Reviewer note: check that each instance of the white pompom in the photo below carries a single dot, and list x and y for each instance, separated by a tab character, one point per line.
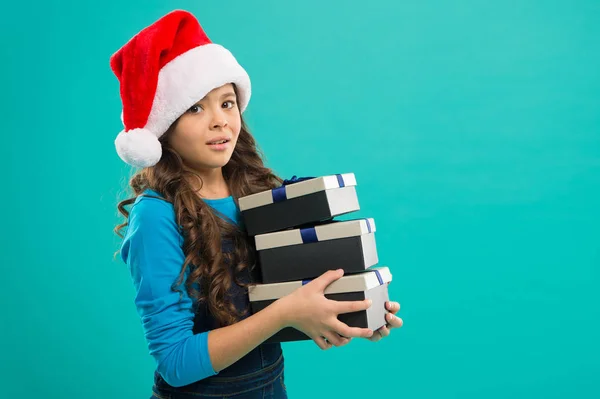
138	147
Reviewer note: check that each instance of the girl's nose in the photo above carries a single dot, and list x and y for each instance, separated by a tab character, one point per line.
219	121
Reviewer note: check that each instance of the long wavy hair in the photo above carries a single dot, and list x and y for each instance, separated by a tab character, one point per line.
210	269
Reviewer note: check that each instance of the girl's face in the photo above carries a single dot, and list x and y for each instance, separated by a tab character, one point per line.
206	134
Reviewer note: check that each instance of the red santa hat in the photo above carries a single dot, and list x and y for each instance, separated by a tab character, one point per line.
163	71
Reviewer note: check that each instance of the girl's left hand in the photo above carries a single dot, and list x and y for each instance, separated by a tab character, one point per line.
393	321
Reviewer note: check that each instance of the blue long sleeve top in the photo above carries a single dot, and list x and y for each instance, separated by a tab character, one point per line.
152	250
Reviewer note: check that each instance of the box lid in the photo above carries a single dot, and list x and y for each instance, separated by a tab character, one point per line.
296	189
329	231
358	282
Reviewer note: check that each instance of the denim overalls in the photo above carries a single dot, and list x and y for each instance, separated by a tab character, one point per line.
258	375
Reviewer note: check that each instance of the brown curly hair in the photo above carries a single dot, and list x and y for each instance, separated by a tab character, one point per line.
202	229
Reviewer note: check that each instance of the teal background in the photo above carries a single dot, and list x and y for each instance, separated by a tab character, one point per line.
473	128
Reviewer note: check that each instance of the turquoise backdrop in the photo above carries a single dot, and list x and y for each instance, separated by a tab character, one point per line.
473	128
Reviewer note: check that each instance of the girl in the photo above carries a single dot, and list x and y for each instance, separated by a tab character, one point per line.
183	241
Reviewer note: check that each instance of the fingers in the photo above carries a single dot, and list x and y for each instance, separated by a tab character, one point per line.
352	306
393	307
351	332
326	278
321	343
384	332
393	321
380	334
329	339
335	339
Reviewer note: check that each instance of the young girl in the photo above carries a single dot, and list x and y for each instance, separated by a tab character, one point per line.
183	240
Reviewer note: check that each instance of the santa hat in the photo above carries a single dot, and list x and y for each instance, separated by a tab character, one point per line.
163	71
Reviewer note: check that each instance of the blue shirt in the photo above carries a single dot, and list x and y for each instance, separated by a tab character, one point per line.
152	249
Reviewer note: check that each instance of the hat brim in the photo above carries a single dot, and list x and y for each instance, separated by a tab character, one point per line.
189	77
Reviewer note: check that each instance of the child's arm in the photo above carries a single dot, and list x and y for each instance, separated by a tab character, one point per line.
227	345
152	250
306	309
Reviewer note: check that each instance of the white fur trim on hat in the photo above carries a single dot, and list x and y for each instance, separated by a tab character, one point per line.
138	147
189	77
183	82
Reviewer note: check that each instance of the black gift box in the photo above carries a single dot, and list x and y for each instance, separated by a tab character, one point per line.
299	254
371	284
299	203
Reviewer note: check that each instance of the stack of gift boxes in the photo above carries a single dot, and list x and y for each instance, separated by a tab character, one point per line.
297	240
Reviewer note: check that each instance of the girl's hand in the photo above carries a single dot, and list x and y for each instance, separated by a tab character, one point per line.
393	321
309	311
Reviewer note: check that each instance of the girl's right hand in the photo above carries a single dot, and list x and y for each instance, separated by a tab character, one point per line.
308	310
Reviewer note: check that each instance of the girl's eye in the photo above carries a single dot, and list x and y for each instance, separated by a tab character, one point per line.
228	104
195	109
